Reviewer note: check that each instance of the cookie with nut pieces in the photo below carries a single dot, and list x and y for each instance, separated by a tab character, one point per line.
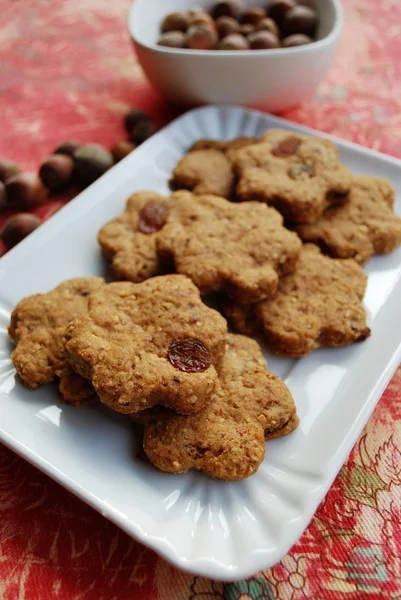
320	304
149	343
129	241
241	249
299	175
37	328
225	440
365	225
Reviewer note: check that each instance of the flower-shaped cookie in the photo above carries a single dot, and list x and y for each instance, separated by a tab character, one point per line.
129	242
37	328
206	171
320	304
226	439
149	343
363	226
299	175
229	148
241	249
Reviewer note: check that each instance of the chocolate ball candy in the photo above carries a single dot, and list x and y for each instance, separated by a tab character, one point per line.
253	15
2	195
263	40
300	19
176	21
226	8
277	10
122	149
246	29
201	37
172	39
8	168
91	161
25	190
67	148
142	131
268	24
298	39
17	228
133	117
200	17
56	172
235	41
226	26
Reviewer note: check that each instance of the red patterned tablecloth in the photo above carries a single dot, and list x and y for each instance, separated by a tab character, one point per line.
67	71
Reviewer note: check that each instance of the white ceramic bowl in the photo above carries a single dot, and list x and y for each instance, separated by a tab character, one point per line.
275	79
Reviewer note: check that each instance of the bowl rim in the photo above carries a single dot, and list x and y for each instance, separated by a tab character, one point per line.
331	37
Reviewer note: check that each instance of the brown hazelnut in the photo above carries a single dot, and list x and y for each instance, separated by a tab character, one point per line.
172	39
226	26
122	149
67	148
133	117
17	228
91	161
201	17
263	40
278	8
201	37
8	168
298	39
142	131
253	16
300	19
2	195
246	29
235	41
56	172
268	24
176	21
25	190
226	8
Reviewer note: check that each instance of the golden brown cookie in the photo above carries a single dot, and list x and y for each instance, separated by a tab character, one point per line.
300	175
37	328
320	304
129	242
149	343
204	172
225	440
364	226
240	249
229	148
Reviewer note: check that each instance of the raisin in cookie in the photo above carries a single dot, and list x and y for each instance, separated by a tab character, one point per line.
320	304
241	249
301	176
364	226
149	343
225	440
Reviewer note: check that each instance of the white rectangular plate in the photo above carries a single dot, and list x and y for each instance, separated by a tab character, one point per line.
224	531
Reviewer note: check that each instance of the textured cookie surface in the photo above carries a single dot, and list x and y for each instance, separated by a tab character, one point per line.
225	440
149	343
205	171
298	174
317	305
363	226
37	328
129	242
237	248
229	148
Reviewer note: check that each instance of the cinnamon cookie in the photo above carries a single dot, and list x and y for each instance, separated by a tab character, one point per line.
240	249
364	226
37	328
226	439
149	343
204	172
129	242
320	304
300	175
